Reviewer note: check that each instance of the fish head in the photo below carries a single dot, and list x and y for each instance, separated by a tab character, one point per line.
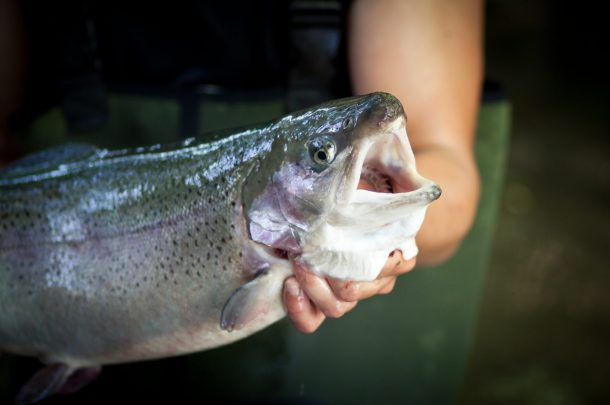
309	205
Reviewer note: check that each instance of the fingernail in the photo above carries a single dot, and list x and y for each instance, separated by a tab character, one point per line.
293	288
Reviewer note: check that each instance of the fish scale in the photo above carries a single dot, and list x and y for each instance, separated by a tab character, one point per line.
116	256
108	233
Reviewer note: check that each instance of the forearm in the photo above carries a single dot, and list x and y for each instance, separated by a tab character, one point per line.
450	217
429	54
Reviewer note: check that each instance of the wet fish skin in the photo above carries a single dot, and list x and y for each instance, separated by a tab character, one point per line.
117	256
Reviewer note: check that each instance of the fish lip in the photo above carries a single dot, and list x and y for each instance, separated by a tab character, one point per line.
387	147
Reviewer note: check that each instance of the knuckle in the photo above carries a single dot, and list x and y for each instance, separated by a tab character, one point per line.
305	278
387	288
307	327
334	311
349	292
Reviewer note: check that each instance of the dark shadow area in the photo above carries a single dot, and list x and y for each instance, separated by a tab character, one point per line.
545	317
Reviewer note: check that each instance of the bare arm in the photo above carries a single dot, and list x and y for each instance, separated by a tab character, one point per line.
428	53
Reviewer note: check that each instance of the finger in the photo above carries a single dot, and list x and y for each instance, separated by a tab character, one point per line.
397	265
358	290
320	293
388	287
304	315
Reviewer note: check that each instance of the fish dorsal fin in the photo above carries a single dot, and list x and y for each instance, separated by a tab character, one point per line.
47	160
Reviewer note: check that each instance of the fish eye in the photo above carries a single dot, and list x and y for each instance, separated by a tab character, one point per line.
322	151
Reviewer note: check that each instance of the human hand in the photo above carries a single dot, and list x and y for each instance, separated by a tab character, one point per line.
310	299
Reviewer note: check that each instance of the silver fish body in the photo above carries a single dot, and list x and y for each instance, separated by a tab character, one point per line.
116	256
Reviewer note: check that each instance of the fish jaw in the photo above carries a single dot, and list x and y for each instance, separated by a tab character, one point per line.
321	218
354	241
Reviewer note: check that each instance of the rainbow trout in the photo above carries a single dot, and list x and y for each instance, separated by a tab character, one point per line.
118	256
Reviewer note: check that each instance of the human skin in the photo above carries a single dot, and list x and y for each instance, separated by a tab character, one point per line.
428	53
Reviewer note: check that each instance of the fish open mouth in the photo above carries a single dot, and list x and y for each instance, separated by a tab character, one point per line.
380	207
376	206
386	165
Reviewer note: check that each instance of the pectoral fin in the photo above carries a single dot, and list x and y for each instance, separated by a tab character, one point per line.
55	378
259	301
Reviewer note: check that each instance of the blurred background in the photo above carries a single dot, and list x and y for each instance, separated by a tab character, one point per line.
544	325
